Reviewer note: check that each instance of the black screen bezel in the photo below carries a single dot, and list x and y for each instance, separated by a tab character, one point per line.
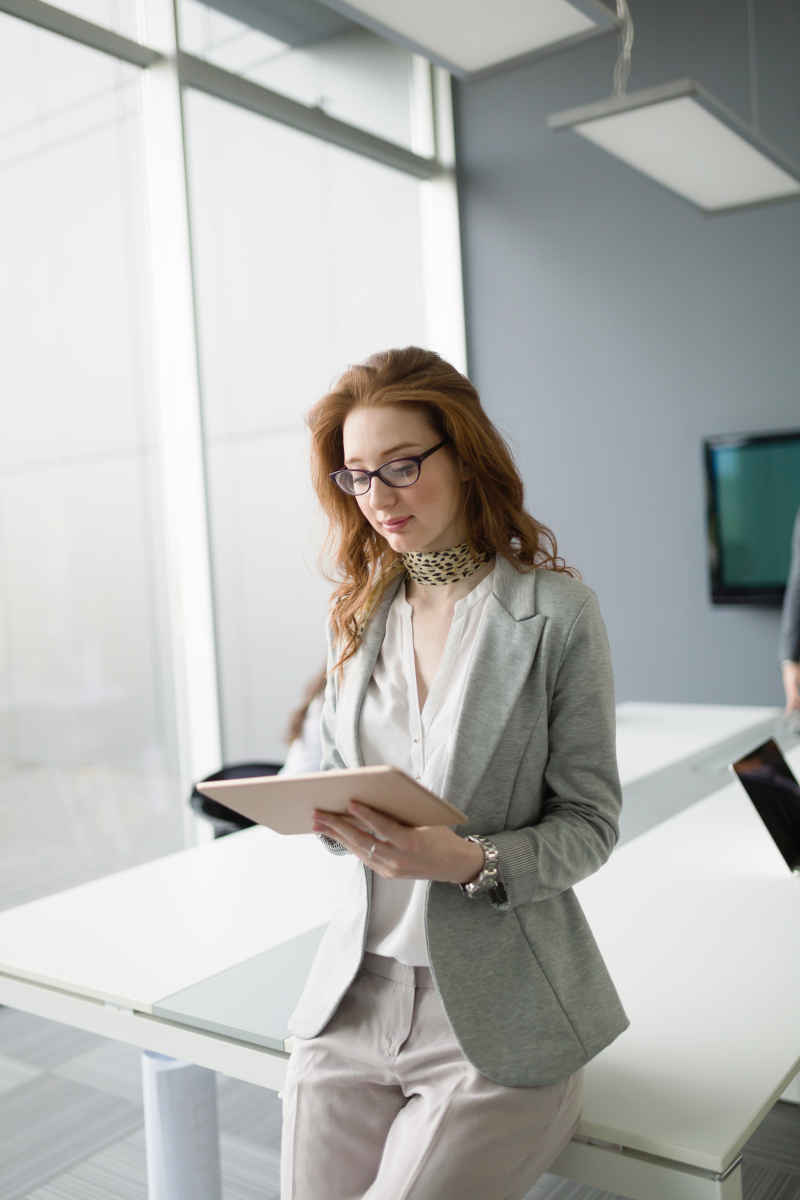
768	808
721	592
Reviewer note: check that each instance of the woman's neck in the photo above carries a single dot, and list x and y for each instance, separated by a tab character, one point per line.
435	595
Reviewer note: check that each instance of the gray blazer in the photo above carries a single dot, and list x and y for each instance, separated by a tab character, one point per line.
789	644
534	766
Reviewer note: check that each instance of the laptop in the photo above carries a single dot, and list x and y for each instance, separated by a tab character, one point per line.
768	780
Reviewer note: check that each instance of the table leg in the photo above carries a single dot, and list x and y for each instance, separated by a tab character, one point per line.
181	1132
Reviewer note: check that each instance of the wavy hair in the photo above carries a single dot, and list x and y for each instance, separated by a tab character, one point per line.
356	557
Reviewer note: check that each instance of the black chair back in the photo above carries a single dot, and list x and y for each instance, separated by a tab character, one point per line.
223	819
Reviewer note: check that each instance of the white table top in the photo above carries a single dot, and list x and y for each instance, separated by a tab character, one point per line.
146	933
651	736
699	923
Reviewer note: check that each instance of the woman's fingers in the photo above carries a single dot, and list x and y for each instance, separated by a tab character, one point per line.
371	822
387	829
347	826
343	830
334	823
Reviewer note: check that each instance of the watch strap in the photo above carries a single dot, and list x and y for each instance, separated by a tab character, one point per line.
489	878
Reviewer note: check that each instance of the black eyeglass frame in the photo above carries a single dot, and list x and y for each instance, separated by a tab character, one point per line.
416	458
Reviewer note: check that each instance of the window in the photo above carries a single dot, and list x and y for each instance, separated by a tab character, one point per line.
307	258
86	704
347	71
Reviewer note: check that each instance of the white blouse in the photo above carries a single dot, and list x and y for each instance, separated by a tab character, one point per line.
392	730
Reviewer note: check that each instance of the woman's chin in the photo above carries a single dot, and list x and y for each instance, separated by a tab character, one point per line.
402	542
399	544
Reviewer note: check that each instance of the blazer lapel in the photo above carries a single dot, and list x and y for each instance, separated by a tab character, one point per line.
357	675
501	663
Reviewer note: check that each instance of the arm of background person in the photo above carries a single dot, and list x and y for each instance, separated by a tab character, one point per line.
331	758
789	644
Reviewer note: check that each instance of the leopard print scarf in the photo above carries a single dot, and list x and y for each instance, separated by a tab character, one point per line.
443	566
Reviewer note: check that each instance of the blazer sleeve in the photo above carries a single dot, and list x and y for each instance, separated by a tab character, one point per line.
331	759
579	825
789	645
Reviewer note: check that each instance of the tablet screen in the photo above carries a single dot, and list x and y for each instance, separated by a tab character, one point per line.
770	784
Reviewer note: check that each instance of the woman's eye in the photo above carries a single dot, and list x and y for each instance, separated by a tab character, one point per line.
404	469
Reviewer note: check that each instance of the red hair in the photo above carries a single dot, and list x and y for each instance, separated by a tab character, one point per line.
360	560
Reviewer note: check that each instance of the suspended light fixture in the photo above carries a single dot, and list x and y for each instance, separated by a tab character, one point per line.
682	137
467	36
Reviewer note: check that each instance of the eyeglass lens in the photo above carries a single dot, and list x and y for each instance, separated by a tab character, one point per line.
400	473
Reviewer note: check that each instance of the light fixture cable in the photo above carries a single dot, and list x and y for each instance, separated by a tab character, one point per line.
751	55
623	68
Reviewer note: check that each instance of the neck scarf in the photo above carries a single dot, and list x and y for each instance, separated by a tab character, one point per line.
443	566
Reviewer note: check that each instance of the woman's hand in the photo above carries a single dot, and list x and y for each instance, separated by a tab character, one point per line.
398	851
791	685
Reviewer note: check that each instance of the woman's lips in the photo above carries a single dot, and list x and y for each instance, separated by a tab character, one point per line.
395	526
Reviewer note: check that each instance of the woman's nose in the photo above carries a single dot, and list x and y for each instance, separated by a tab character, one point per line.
380	494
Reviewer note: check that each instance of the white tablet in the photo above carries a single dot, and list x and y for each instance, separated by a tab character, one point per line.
285	802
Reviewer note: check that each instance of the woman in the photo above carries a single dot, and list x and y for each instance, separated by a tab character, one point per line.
458	991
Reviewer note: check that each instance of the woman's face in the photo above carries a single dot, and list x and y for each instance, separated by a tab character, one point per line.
428	515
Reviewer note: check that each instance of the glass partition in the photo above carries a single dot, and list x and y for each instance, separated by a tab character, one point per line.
119	15
87	738
351	73
307	257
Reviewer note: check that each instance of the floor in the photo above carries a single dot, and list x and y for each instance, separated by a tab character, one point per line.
71	1124
71	1119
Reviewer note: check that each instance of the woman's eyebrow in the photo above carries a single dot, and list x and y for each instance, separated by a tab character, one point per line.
385	455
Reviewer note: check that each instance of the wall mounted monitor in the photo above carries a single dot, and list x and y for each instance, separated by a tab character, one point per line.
753	490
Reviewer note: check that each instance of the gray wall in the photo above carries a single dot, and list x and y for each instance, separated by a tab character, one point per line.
611	327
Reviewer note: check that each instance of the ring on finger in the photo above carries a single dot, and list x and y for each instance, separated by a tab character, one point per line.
372	849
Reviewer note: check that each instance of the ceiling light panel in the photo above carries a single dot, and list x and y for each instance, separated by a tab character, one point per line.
470	35
684	139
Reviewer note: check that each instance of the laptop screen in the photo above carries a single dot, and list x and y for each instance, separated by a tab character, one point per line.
768	780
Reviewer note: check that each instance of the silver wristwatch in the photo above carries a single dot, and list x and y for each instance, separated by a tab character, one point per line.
489	877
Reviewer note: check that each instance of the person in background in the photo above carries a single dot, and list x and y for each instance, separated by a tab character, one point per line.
789	647
305	734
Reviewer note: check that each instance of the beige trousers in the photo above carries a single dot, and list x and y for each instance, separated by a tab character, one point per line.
383	1105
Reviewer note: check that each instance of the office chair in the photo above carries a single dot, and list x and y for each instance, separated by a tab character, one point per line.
225	820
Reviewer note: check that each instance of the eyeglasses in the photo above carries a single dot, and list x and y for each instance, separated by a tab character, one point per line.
399	473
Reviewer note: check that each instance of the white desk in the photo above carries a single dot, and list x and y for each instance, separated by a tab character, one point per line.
651	736
101	956
698	919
